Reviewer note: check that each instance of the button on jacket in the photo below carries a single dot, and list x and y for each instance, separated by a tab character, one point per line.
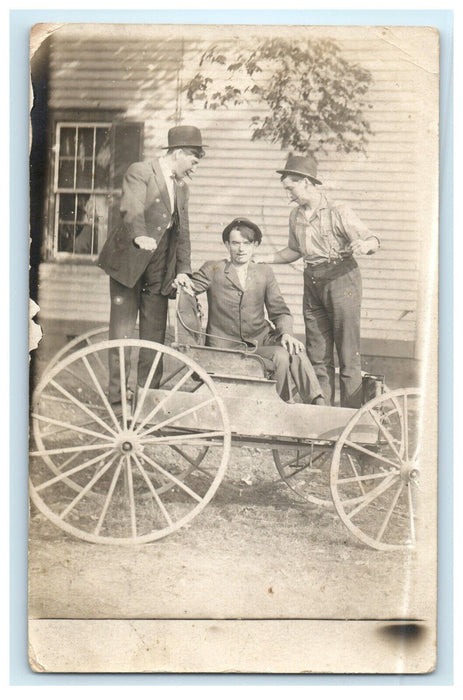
235	313
146	211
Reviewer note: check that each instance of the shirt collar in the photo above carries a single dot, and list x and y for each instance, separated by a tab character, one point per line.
169	175
322	204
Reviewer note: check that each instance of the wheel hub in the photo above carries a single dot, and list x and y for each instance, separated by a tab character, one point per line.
409	472
127	443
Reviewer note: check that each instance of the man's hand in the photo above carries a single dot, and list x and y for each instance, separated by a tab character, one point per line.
145	243
364	246
182	280
292	345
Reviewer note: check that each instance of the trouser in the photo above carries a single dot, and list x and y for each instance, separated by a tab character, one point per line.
331	309
286	366
126	304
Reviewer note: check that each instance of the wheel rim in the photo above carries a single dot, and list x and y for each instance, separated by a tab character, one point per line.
130	476
92	337
306	472
375	487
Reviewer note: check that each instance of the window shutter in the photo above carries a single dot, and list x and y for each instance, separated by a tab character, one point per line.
127	142
128	145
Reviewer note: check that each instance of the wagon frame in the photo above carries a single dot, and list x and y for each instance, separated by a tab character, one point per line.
147	470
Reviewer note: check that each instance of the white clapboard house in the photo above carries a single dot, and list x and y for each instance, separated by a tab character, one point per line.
111	95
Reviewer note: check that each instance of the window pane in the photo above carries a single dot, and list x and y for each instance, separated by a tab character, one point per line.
85	223
85	143
67	143
65	238
102	159
66	174
84	175
67	207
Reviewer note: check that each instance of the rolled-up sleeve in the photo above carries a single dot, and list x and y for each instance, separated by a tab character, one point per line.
349	225
293	242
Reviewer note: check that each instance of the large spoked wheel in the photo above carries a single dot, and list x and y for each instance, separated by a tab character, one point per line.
375	484
306	470
134	470
90	338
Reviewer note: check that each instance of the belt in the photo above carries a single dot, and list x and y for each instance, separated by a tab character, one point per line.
337	261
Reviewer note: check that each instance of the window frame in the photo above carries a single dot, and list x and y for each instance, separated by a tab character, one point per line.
58	191
113	119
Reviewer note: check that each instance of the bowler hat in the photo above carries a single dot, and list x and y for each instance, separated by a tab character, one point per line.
240	223
306	166
184	137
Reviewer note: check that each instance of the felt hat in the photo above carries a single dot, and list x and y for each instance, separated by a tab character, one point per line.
184	136
306	166
245	223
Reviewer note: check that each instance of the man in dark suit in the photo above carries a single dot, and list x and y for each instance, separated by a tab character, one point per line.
239	292
150	248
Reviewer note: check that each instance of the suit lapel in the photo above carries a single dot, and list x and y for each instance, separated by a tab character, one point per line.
232	275
161	183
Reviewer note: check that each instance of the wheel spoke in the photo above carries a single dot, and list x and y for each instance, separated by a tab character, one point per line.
109	496
149	379
386	520
54	433
405	427
411	512
172	478
298	457
87	487
357	479
57	399
373	494
133	516
365	477
157	408
153	490
100	391
74	470
78	379
81	406
97	358
123	387
386	433
64	450
69	426
178	416
194	462
170	376
374	455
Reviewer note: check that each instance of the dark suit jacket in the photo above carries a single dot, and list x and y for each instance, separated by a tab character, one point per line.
145	211
235	313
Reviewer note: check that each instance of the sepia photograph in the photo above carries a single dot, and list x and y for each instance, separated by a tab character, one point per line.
233	348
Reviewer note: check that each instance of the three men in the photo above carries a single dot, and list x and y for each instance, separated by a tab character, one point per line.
326	237
239	292
151	248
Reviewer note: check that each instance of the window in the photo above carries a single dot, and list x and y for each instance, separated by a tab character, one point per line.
90	160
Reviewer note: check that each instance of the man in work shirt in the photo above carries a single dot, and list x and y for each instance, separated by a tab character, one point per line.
327	237
239	292
150	249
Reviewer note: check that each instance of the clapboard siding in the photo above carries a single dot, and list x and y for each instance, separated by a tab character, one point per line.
138	77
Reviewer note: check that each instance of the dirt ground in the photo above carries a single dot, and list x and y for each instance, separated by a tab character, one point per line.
255	551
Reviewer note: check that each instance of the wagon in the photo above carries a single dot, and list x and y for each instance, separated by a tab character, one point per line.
135	474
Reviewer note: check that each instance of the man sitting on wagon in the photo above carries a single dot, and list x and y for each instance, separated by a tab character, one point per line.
239	292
